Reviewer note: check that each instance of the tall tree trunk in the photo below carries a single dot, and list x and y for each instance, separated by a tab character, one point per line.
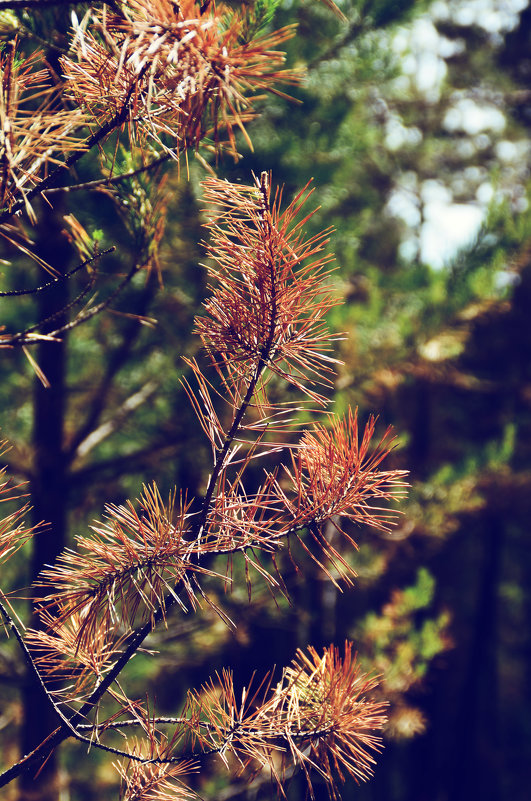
476	771
49	487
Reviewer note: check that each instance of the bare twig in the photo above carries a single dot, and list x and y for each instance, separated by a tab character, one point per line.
59	279
109	181
27	337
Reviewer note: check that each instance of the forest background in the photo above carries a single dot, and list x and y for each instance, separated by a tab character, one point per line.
413	122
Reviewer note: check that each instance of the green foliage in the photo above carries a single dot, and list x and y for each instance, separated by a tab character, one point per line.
382	13
258	16
396	640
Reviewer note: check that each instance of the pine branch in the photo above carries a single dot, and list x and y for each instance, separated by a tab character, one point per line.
252	321
102	133
261	365
69	726
264	317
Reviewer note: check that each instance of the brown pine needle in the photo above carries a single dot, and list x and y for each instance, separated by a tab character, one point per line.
333	473
269	290
162	68
33	136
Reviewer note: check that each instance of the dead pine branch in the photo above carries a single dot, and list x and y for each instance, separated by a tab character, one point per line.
270	288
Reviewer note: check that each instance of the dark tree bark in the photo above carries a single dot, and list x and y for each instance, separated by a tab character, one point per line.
476	769
49	486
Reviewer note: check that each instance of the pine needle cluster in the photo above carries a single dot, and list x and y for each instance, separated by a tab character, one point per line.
167	76
172	68
170	74
263	323
34	133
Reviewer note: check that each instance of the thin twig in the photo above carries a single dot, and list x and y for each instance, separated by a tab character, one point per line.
25	337
28	337
261	365
87	315
110	180
32	666
121	724
35	290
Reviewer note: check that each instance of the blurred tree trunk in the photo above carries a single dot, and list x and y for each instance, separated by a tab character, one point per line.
50	485
476	769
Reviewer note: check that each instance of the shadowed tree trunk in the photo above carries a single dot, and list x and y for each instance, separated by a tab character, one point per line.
49	486
476	772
